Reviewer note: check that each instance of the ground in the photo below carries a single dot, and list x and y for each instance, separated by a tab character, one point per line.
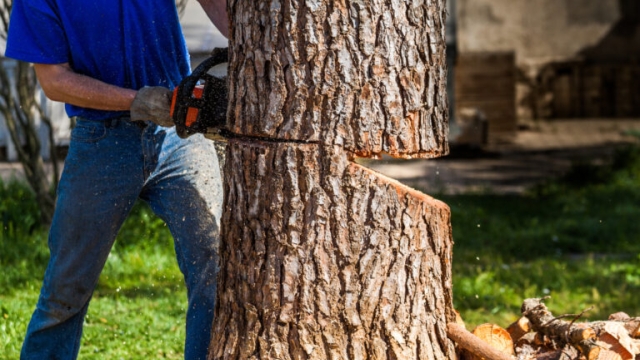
539	152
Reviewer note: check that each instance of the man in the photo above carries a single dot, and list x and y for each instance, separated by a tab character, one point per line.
113	63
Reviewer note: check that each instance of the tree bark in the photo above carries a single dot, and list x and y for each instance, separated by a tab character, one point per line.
368	76
18	107
322	258
580	336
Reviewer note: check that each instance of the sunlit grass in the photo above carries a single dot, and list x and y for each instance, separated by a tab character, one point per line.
576	239
137	311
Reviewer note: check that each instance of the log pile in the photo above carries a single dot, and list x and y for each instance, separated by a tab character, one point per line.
539	335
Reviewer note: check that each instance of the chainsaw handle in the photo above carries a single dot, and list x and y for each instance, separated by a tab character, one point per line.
208	113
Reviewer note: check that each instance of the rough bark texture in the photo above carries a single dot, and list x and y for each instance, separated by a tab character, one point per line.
519	328
579	335
322	258
325	259
368	76
19	108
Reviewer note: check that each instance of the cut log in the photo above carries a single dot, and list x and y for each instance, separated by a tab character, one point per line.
532	338
519	328
325	259
567	353
609	355
614	338
619	316
580	336
495	336
631	324
474	345
535	342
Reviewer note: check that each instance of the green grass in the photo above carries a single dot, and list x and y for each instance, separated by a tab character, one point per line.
576	239
137	311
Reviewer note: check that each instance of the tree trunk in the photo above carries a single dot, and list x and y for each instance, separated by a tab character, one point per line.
322	258
366	75
19	108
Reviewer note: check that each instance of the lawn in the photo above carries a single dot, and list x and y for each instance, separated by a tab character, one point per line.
137	311
576	239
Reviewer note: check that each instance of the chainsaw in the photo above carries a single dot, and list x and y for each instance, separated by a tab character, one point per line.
199	103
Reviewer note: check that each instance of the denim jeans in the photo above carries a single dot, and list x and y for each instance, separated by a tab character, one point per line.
110	165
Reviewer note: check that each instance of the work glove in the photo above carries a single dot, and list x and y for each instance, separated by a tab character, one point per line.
153	103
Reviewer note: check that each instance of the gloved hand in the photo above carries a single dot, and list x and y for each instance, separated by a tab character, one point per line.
153	103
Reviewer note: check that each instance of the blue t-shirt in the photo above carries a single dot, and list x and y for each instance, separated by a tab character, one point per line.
127	43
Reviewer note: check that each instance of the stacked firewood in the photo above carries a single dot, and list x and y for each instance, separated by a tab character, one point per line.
539	335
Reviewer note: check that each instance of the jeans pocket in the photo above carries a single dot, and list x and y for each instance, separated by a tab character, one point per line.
89	131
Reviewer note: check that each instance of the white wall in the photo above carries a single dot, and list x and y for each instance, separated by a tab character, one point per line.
200	33
537	30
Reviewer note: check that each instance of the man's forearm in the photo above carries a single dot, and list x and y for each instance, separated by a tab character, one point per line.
61	83
216	10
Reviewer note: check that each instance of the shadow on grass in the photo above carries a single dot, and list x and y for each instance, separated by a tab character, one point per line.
592	209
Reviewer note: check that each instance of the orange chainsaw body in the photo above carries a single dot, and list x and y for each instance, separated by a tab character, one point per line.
192	112
199	103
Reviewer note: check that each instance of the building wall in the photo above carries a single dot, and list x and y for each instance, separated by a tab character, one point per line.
536	30
574	58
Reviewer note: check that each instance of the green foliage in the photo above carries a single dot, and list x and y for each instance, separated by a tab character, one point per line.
143	229
137	311
18	209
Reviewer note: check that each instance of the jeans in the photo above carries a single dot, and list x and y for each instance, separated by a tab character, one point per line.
110	165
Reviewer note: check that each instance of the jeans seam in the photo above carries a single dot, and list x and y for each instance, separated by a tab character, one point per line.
78	331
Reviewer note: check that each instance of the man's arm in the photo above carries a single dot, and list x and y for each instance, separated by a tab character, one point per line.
61	83
217	12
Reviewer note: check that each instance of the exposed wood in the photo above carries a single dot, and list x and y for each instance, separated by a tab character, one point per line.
367	76
526	352
614	338
474	345
459	319
631	324
325	259
519	328
533	339
495	336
